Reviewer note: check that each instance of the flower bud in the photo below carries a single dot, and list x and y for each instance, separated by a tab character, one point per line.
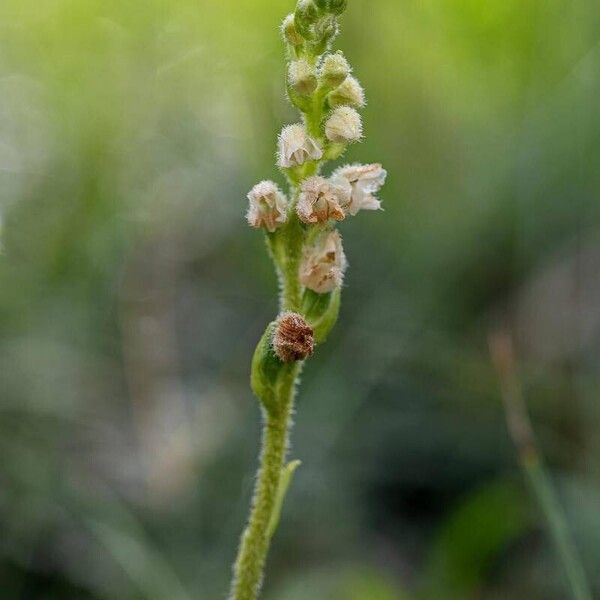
337	7
323	263
267	207
334	70
349	93
295	147
305	17
365	182
293	338
321	200
326	30
290	32
302	77
344	125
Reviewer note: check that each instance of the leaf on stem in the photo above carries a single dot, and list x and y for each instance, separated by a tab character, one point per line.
287	474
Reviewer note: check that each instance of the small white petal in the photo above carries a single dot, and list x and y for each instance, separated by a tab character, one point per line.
324	263
365	181
321	200
295	147
268	206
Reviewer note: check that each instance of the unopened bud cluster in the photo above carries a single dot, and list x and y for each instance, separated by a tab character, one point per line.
321	85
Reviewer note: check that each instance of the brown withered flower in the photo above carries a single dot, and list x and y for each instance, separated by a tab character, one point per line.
293	338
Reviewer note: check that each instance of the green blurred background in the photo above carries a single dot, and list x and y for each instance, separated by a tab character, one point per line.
132	293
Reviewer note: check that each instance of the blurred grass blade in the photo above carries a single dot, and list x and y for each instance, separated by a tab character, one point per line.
542	488
146	568
530	458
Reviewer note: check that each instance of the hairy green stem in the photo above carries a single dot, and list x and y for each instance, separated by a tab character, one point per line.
285	249
250	563
292	290
314	117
